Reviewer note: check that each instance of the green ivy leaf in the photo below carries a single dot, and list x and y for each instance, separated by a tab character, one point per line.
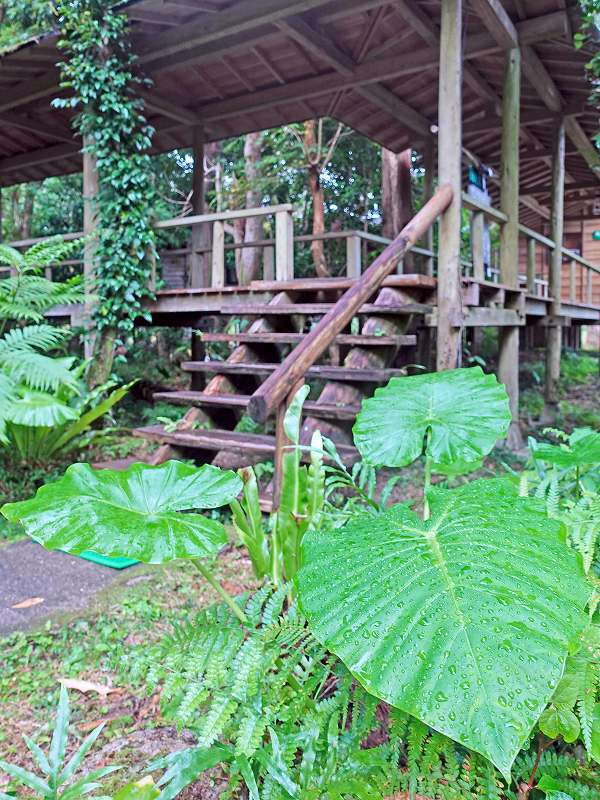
466	411
559	720
132	513
143	789
459	620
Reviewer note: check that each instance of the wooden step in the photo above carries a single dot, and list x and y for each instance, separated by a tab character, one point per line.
243	443
406	281
308	309
201	399
295	338
366	375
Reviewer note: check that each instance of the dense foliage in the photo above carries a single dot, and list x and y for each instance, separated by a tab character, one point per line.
475	622
100	72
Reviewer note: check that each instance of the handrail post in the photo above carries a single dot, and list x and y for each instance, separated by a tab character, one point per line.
269	264
218	255
572	281
353	257
589	289
477	246
531	257
284	246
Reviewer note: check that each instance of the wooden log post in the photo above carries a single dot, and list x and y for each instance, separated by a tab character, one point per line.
449	330
531	266
554	339
573	281
218	255
268	263
508	361
589	291
90	224
198	274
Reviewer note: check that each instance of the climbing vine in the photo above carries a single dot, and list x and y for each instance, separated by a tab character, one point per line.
100	70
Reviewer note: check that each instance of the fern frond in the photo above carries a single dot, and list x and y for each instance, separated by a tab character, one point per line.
11	257
216	719
33	337
37	371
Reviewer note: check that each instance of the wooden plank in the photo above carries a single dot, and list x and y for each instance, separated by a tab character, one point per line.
54	130
407	280
531	266
353	257
216	439
241	213
483	318
269	337
199	399
477	244
237	18
581	141
44	155
310	309
450	173
316	371
294	367
492	213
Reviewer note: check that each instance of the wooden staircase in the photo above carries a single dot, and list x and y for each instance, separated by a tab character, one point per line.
343	337
353	365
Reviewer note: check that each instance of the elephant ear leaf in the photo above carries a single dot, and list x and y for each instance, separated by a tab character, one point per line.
465	410
134	513
458	620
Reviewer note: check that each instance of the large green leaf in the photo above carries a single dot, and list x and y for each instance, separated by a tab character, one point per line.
131	513
466	411
583	449
38	409
463	621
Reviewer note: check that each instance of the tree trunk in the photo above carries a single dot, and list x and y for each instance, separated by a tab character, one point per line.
101	364
249	262
318	199
396	195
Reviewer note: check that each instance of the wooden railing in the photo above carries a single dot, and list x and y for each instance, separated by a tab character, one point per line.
272	393
533	281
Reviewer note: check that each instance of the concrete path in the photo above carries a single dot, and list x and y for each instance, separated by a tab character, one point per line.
64	583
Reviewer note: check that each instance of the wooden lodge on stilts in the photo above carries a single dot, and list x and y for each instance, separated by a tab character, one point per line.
492	94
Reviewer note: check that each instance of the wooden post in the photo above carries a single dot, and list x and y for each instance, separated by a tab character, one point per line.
531	266
218	255
589	291
284	246
200	239
554	338
449	335
573	281
90	224
477	237
508	362
353	257
428	189
268	264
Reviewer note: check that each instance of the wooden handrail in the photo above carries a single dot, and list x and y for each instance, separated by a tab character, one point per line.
279	384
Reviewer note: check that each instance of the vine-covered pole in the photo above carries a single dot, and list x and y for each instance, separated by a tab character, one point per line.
90	225
449	330
508	364
554	339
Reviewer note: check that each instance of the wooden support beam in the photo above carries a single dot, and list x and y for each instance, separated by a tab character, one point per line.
489	123
29	91
540	79
508	362
580	139
554	340
449	333
428	190
44	155
176	111
547	188
493	15
324	47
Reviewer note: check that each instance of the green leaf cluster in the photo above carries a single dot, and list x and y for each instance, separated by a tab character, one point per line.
101	75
